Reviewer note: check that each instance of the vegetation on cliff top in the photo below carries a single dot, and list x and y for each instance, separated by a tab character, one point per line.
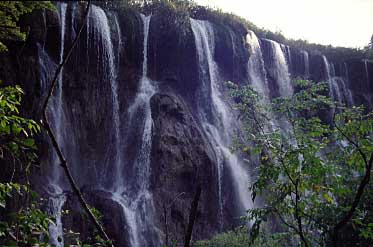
181	8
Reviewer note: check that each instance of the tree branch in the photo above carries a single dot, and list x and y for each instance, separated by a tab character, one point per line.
54	140
357	198
192	216
362	154
297	215
284	221
364	182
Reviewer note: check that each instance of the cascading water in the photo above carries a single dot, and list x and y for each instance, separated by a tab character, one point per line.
279	68
119	40
256	70
99	25
57	198
127	179
366	71
338	90
55	204
306	63
258	76
287	52
97	28
218	129
136	200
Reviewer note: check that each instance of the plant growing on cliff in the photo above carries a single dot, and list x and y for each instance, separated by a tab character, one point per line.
22	223
16	132
313	177
10	13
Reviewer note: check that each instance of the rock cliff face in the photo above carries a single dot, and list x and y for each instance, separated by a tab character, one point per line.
142	113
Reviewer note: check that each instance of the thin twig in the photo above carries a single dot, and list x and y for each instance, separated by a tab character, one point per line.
297	215
54	140
284	221
362	154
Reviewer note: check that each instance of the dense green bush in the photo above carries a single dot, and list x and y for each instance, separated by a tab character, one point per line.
313	176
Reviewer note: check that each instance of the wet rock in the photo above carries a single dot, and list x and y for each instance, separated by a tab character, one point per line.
77	220
180	160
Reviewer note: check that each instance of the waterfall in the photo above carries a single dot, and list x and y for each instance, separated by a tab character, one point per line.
136	199
366	72
256	70
127	178
338	88
57	198
346	74
57	101
99	24
306	63
333	87
141	105
119	39
287	51
60	76
326	67
279	68
218	130
55	204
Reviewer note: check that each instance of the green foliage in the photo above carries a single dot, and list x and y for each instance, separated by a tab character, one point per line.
368	50
95	238
10	13
240	238
22	222
310	173
173	244
6	190
236	238
15	131
26	226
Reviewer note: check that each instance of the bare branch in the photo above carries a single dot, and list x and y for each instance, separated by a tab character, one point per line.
192	216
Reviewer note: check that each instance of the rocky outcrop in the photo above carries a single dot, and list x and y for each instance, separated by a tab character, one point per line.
181	159
77	220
